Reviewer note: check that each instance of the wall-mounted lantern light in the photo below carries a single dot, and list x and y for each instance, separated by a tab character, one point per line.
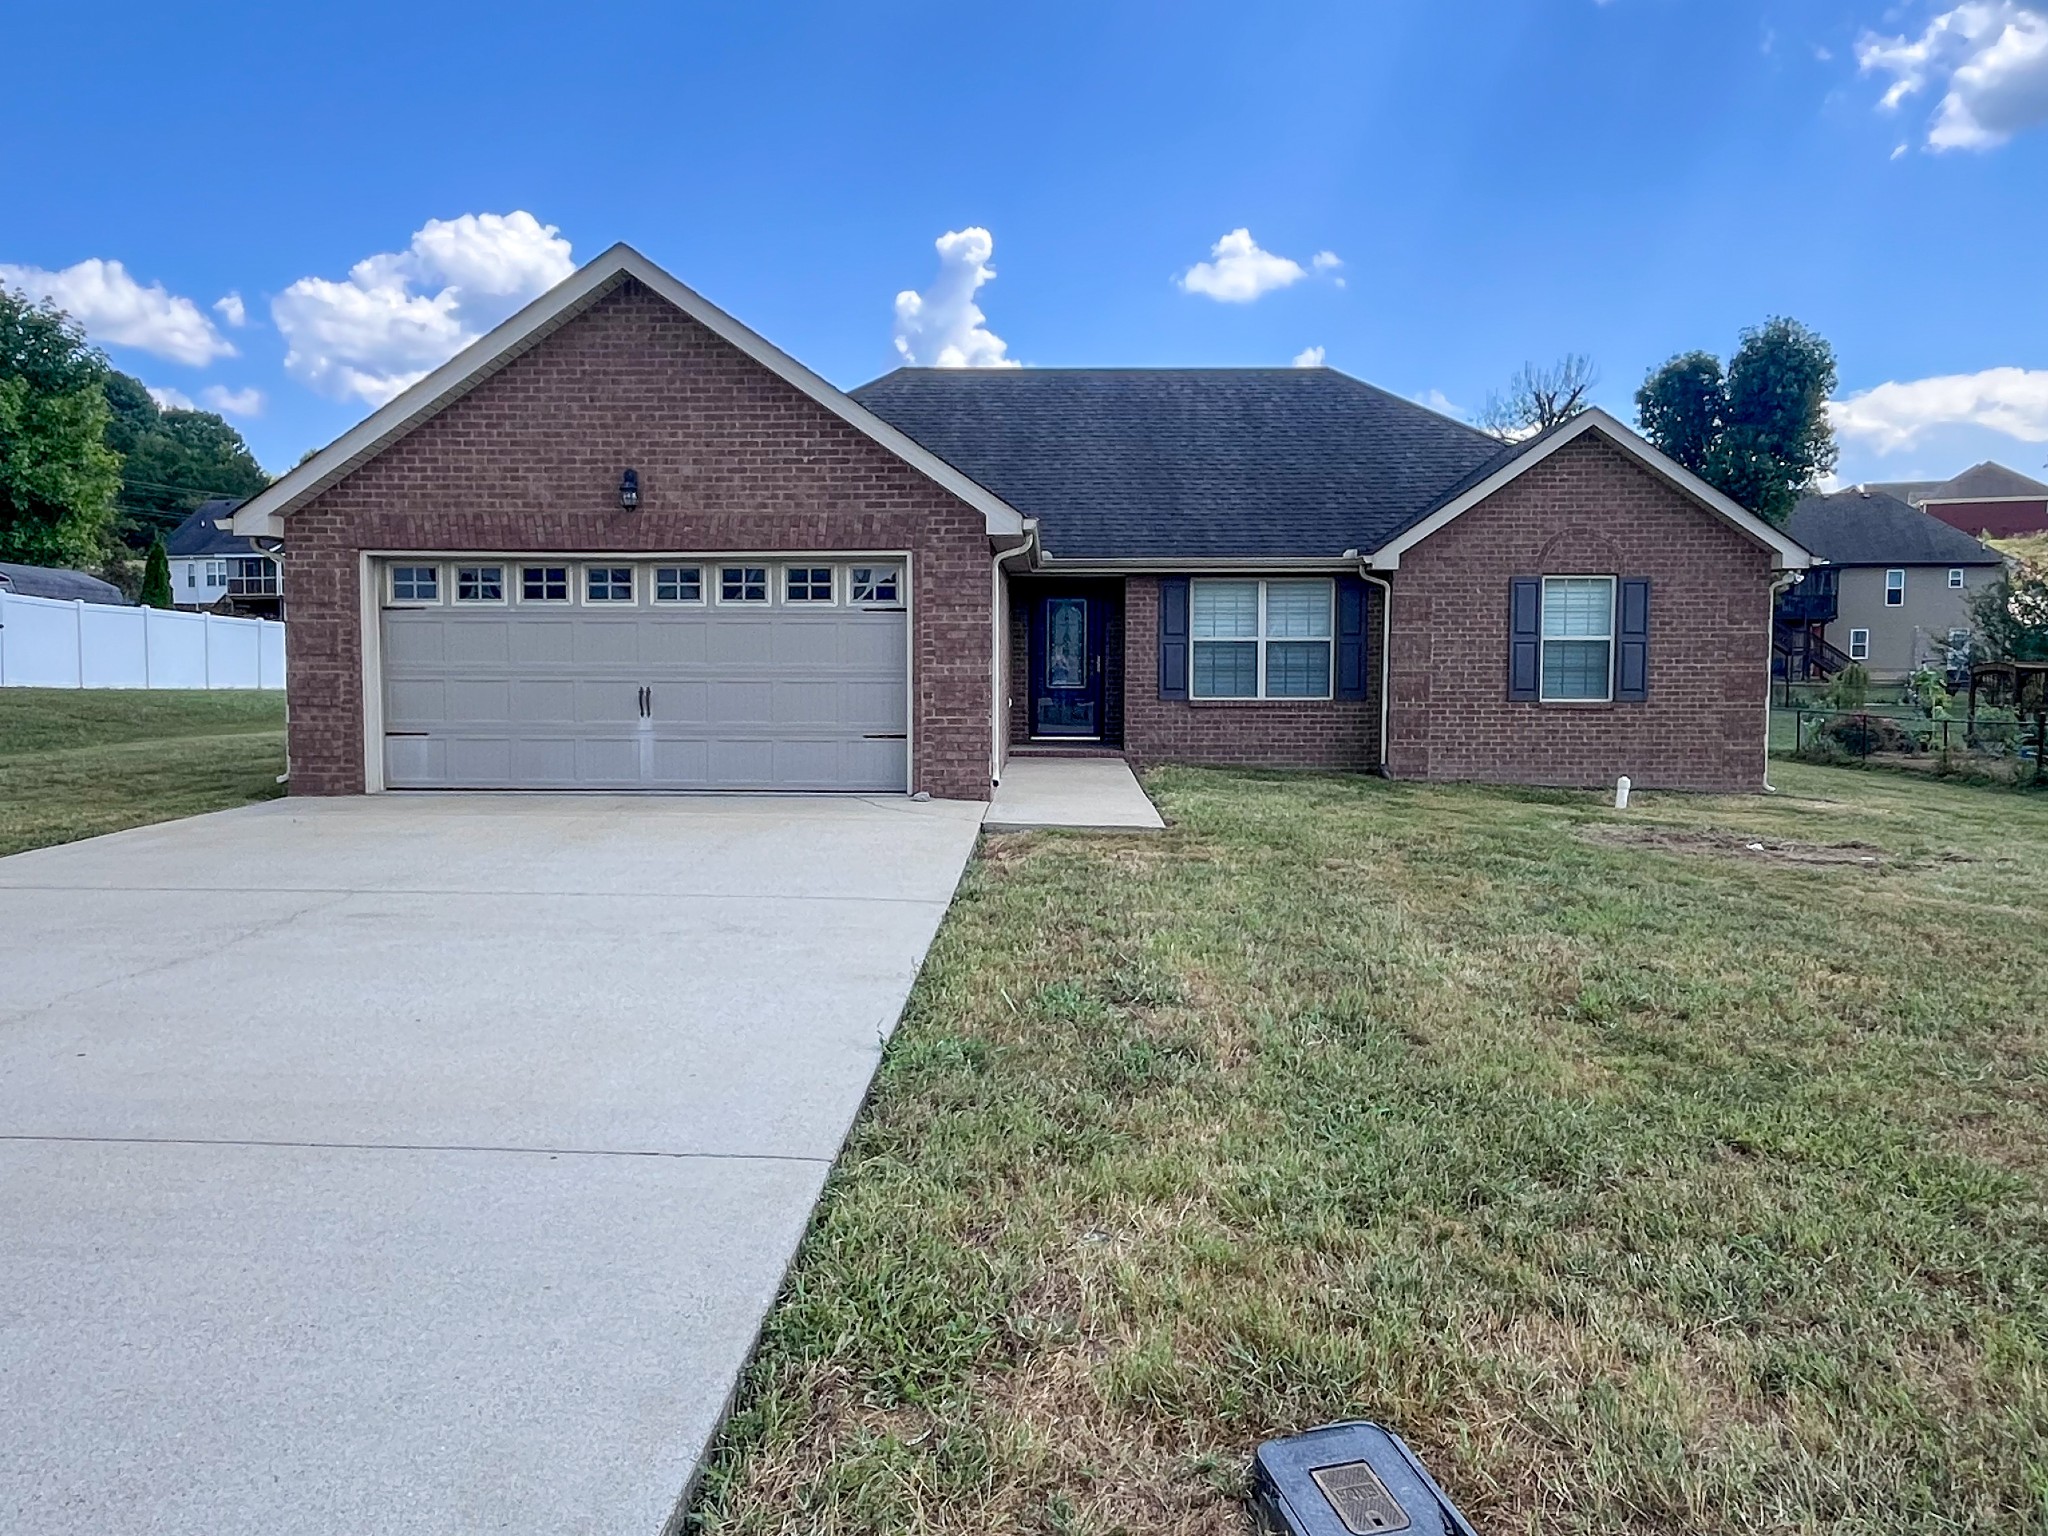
629	489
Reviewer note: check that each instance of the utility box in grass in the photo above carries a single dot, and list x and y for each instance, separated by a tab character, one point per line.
1355	1479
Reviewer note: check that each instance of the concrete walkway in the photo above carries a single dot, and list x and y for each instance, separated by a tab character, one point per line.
1092	793
423	1164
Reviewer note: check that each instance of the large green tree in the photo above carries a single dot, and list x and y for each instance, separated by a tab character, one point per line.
58	477
172	460
1758	431
156	577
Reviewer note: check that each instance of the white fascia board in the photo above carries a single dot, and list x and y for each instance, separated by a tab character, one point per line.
265	512
1788	553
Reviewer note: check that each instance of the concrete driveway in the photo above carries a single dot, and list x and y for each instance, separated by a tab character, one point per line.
424	1164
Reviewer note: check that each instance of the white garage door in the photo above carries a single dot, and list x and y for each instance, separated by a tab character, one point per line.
525	673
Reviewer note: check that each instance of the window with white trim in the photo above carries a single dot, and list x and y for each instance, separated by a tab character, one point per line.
679	584
1895	588
608	583
544	584
743	584
807	584
875	584
1859	645
415	584
1955	576
1578	639
1261	639
479	583
216	573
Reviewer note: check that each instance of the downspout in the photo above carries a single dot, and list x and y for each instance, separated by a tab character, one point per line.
275	549
1386	660
999	714
1784	581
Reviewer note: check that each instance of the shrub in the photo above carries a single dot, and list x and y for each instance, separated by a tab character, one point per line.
1850	688
1861	735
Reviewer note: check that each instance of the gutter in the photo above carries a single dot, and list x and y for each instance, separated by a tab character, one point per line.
1782	582
999	713
1386	650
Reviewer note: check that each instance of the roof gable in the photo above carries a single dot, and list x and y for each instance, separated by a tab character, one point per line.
1519	458
1988	481
264	514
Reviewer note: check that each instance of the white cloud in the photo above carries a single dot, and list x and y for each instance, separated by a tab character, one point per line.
1239	271
1895	415
117	310
229	307
1309	357
1989	58
233	402
399	315
1439	402
168	399
943	327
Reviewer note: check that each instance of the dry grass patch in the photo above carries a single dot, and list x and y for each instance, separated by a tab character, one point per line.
1641	1192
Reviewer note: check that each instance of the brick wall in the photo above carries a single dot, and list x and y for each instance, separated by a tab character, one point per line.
1318	733
1587	510
730	457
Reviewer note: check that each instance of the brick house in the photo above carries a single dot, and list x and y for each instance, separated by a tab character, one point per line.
624	542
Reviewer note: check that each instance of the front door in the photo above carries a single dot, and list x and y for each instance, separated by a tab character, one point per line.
1066	668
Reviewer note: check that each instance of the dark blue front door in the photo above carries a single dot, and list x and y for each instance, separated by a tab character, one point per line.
1066	668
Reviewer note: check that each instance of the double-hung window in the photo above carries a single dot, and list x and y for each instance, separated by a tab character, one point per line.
1895	588
1578	638
1859	645
1252	639
1955	576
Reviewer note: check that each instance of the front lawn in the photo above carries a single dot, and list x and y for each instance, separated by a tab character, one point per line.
76	762
1645	1180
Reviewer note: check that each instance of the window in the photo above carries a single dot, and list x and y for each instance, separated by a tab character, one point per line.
191	574
807	584
608	583
544	584
875	584
1955	576
1859	645
1895	589
415	584
1578	638
743	584
216	573
479	583
1260	639
256	576
678	584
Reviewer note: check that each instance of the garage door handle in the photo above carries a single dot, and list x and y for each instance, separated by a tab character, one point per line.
646	702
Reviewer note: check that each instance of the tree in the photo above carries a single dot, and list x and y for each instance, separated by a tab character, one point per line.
1760	432
58	477
2010	617
156	576
1538	398
172	460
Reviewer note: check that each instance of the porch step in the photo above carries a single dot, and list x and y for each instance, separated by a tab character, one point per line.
1061	749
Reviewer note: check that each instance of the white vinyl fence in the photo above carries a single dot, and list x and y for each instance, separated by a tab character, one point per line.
45	643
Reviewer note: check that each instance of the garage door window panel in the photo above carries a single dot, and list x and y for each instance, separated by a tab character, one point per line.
743	584
608	584
809	585
544	584
480	584
877	586
415	584
679	584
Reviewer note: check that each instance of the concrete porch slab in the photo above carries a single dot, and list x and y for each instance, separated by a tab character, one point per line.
1097	794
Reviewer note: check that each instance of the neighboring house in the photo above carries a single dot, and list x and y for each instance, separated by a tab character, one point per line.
216	568
65	586
622	541
1902	579
1986	500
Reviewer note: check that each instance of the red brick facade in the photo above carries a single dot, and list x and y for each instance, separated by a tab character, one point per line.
730	458
1269	733
1587	510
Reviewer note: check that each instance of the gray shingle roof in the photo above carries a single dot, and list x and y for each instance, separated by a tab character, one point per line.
1986	480
1187	463
198	536
65	586
1868	527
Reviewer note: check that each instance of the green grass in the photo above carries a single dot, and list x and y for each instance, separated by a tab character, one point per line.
1646	1183
78	762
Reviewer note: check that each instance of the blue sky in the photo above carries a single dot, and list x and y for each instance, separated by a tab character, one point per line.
1496	183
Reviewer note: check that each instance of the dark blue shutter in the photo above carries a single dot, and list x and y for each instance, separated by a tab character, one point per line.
1350	638
1632	661
1525	637
1173	638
